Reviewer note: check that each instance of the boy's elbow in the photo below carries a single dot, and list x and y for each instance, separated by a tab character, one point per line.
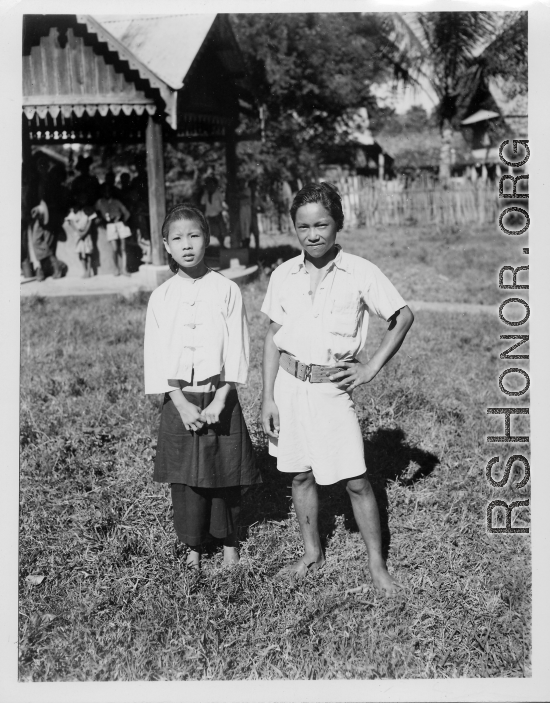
402	320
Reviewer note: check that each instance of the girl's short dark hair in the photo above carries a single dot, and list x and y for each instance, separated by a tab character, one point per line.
184	212
323	193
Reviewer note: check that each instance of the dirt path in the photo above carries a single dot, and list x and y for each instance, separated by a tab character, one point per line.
122	285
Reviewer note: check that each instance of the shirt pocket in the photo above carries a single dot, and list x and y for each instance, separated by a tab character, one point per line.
344	317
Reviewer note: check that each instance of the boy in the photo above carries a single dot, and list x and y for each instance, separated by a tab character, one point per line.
314	356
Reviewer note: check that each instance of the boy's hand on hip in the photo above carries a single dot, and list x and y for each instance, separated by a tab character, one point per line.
211	414
270	418
353	375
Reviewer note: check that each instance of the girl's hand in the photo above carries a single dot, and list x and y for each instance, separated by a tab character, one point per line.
270	418
211	414
191	416
353	375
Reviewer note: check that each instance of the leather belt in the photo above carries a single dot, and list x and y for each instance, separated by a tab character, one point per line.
314	373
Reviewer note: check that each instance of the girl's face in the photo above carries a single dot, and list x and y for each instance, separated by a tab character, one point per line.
316	230
186	244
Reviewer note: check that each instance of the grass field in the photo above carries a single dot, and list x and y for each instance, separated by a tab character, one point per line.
438	264
115	602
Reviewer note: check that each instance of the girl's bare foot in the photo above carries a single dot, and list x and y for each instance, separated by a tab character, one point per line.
301	568
230	556
193	560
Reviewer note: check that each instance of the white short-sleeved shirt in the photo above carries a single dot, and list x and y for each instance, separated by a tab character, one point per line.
195	330
333	326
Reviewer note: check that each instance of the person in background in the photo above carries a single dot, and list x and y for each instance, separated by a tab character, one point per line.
80	220
110	180
140	201
114	214
254	209
27	187
196	349
245	210
212	204
128	195
85	188
283	199
47	217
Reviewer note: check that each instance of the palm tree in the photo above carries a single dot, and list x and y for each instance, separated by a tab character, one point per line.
454	51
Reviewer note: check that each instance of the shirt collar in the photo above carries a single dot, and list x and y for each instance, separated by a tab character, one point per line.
337	262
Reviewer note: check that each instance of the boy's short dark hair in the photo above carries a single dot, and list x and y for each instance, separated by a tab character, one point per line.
323	193
184	212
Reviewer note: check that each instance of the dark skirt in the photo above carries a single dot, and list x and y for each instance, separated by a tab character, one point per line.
217	456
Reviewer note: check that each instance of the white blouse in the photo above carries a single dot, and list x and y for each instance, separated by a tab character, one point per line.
195	329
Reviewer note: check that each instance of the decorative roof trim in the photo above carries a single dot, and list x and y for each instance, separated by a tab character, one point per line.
103	35
120	98
103	108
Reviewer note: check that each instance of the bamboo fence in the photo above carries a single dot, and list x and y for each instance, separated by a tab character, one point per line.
368	202
371	202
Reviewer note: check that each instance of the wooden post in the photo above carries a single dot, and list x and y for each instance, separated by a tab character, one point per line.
157	196
232	190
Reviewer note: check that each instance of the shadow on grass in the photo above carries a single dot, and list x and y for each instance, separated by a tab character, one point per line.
388	458
269	256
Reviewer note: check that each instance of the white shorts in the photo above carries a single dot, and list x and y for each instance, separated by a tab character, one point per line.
319	430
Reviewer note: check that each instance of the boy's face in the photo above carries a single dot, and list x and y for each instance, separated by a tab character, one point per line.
186	243
316	229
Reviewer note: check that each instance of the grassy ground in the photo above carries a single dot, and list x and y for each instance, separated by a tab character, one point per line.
439	264
115	602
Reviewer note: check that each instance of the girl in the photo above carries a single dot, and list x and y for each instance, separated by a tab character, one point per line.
80	220
318	304
196	350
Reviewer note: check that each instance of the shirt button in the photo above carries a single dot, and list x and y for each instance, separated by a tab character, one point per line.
192	326
192	302
309	292
316	314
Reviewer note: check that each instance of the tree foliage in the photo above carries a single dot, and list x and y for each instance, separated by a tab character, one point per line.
457	52
507	56
309	71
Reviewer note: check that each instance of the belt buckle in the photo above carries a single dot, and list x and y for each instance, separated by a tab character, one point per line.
302	371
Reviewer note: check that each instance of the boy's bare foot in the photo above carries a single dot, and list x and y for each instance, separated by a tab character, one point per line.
382	580
301	568
193	560
230	556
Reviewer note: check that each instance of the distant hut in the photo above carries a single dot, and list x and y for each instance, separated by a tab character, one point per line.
487	117
360	154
